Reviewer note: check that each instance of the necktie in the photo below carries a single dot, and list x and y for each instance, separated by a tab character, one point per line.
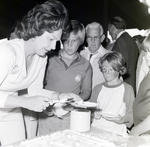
90	56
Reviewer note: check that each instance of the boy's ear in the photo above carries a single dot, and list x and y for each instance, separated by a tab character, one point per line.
102	37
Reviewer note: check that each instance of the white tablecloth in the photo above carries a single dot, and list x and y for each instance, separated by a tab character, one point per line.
127	141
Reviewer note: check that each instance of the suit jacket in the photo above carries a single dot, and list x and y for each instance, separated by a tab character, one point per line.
128	48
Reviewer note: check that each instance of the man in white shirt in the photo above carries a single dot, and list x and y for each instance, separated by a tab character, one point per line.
94	37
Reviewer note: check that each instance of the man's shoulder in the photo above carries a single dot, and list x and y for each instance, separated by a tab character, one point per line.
128	40
102	50
82	59
84	51
125	35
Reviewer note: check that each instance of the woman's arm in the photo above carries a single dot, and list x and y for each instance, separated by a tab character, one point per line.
7	98
7	60
141	128
35	103
36	88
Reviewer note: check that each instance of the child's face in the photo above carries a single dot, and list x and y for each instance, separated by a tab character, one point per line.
109	73
72	44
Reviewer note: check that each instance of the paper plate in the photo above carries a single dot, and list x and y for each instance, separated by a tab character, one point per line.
108	114
86	105
59	110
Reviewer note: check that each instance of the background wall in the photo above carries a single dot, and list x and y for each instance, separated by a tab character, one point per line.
86	11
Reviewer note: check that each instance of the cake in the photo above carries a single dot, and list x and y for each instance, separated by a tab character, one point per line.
67	138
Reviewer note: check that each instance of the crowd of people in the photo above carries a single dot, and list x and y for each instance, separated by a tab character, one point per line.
115	77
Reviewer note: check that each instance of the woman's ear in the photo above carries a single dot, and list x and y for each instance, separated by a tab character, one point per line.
102	38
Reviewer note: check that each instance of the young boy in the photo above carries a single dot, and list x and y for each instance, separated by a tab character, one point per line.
114	97
67	73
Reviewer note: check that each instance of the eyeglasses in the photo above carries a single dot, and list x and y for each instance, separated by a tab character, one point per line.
96	38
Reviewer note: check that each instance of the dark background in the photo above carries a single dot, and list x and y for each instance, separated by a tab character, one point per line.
132	11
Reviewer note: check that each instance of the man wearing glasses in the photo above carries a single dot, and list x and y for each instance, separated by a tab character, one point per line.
94	51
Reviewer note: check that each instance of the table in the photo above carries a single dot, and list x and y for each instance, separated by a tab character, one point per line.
127	141
119	141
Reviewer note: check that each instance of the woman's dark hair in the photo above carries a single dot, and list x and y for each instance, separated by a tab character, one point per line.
116	61
49	16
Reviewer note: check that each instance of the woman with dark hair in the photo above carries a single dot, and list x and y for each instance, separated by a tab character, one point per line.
22	65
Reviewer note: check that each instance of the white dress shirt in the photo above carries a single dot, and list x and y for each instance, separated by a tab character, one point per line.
97	74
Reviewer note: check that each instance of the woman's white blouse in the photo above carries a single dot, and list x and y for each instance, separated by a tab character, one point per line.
14	75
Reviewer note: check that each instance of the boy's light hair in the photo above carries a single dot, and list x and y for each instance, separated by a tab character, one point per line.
95	25
78	29
81	33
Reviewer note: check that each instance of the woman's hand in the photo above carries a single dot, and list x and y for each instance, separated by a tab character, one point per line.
134	132
118	120
70	95
35	103
97	114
